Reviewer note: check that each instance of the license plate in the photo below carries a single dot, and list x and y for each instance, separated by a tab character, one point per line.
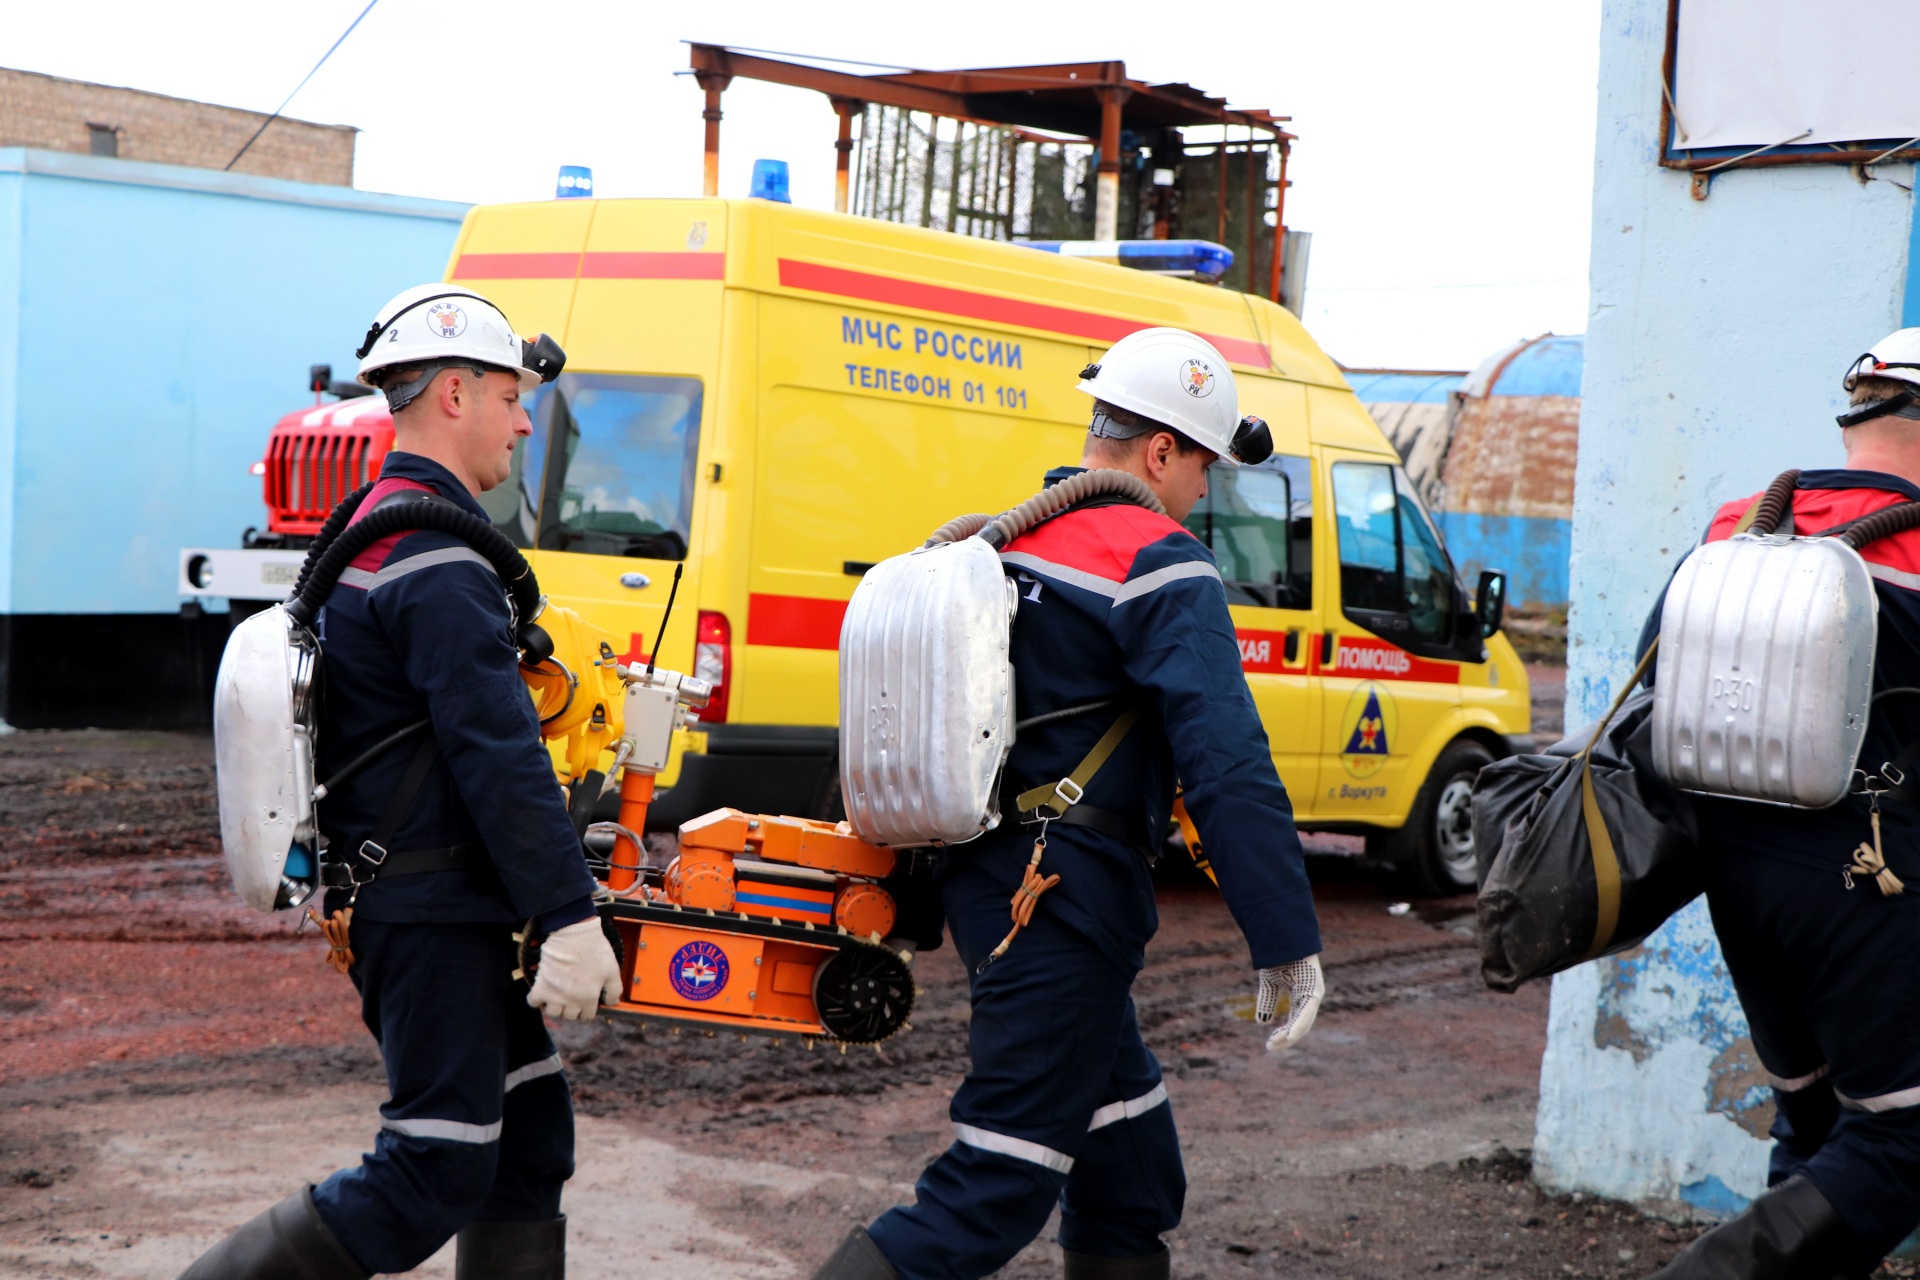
279	575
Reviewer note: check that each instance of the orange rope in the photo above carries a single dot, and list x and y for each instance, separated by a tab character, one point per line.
334	928
1025	899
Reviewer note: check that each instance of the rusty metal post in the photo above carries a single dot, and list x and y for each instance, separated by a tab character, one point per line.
1220	159
715	83
1253	215
1106	191
844	107
1276	271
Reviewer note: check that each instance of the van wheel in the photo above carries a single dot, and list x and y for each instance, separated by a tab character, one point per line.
1433	854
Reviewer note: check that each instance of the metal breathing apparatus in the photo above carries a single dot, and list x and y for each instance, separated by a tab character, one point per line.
1765	682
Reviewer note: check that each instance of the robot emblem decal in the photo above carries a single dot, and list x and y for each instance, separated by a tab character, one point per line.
1373	722
698	971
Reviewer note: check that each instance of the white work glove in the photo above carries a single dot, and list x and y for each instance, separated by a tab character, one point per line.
1304	987
577	971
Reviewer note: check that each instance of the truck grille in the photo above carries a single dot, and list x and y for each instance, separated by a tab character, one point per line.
310	472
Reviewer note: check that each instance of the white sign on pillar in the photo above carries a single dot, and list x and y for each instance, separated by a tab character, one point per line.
1756	73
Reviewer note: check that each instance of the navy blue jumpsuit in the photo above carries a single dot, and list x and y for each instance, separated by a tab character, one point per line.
1824	972
479	1124
1064	1102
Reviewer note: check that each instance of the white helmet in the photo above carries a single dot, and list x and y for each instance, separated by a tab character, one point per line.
444	326
1176	379
1895	356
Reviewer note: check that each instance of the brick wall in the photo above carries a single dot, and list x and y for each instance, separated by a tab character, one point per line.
55	114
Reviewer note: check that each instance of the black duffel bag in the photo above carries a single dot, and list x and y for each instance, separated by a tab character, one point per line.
1582	851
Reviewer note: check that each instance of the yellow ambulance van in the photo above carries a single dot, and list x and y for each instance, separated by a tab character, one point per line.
770	399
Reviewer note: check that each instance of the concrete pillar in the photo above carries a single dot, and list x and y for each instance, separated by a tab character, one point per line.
1713	362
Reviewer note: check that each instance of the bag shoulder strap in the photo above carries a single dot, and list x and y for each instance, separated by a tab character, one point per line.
1746	521
1606	859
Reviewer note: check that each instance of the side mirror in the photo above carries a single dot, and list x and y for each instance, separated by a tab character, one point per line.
1490	601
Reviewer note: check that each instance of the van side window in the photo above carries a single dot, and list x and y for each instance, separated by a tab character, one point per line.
1391	562
514	506
619	457
1258	522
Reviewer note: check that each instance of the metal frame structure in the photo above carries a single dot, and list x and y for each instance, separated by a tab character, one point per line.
1077	101
1704	163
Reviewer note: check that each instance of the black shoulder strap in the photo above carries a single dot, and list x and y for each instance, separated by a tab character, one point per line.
373	850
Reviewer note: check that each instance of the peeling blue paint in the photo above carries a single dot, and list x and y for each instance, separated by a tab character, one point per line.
1712	1196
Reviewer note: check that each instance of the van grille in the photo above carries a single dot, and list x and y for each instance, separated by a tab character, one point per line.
309	472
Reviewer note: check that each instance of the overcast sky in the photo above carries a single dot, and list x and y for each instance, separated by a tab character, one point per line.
1444	162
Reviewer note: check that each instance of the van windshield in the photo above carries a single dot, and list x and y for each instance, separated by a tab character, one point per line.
616	455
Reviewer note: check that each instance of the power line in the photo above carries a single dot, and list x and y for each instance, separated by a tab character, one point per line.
303	84
1423	288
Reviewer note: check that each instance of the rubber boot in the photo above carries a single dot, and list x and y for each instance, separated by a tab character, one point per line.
287	1242
857	1258
1087	1266
1789	1233
512	1250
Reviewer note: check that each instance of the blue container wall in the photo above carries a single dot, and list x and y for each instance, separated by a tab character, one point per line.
161	333
11	188
1532	550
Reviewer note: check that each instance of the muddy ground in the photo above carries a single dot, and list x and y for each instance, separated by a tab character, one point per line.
171	1063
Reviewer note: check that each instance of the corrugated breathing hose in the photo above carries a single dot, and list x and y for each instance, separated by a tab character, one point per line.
1881	524
326	562
1775	503
999	530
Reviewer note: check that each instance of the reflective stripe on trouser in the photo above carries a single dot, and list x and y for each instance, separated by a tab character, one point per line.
1837	1030
479	1126
1064	1103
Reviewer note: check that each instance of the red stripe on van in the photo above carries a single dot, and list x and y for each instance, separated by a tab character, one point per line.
516	266
794	622
590	266
653	266
819	278
1369	659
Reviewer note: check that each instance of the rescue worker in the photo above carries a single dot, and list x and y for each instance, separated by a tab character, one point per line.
440	848
1123	608
1820	956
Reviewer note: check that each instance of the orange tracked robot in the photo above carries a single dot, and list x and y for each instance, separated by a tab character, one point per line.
761	924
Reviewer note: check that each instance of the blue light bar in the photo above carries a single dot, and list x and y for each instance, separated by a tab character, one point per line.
1200	260
576	180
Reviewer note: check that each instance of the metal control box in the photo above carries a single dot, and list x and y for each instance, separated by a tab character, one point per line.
1765	670
926	695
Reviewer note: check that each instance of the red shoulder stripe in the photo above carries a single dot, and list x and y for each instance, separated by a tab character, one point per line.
1818	509
376	554
1102	541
